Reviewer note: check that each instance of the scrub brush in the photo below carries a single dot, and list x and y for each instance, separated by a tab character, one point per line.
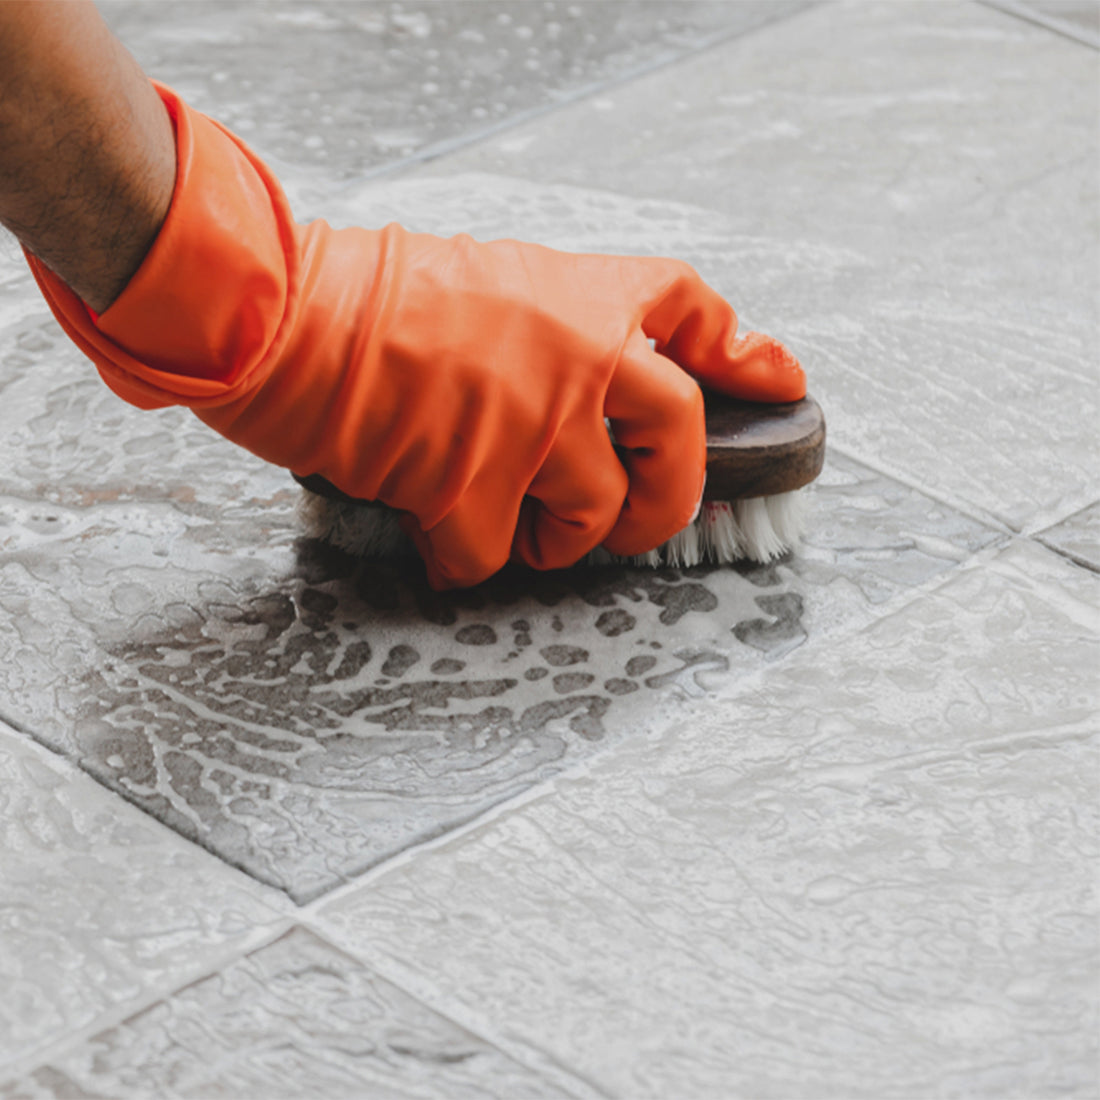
759	457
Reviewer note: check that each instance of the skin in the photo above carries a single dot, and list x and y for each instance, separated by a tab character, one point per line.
87	152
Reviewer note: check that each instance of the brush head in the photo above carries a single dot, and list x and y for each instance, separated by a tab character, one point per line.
756	450
758	457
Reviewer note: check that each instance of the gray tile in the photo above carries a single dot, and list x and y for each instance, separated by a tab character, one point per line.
909	197
100	907
341	88
304	716
297	1018
872	876
1078	537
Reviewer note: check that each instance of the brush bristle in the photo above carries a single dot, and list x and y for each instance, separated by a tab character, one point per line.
760	530
361	529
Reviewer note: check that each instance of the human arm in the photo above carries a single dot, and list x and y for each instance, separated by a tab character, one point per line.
87	157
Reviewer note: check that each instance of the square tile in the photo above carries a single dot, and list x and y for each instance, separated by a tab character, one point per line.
99	906
870	876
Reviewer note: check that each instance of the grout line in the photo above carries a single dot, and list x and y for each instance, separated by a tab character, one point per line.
1077	559
544	1064
667	58
17	726
1034	529
1050	22
195	842
118	1014
1047	523
963	507
73	770
406	855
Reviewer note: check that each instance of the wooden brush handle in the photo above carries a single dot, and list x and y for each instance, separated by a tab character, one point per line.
756	450
753	450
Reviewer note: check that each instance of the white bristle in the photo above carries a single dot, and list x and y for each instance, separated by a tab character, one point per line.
720	532
787	512
758	538
649	560
761	530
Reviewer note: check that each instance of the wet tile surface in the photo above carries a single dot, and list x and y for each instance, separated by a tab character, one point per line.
99	906
870	877
297	1018
922	234
303	717
1078	537
827	828
372	83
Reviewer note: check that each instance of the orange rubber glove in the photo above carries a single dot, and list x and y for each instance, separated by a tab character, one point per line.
464	384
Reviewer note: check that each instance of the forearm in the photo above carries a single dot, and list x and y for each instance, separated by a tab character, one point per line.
87	156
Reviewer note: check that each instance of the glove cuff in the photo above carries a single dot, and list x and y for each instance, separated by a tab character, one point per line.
213	300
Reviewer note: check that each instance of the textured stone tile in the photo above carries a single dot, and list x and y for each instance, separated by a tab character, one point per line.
99	906
872	876
1078	537
343	88
304	718
297	1018
910	198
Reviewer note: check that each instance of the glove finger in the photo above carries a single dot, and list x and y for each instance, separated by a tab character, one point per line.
574	500
656	414
469	544
696	327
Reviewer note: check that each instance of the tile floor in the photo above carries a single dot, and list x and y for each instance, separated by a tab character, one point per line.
278	824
